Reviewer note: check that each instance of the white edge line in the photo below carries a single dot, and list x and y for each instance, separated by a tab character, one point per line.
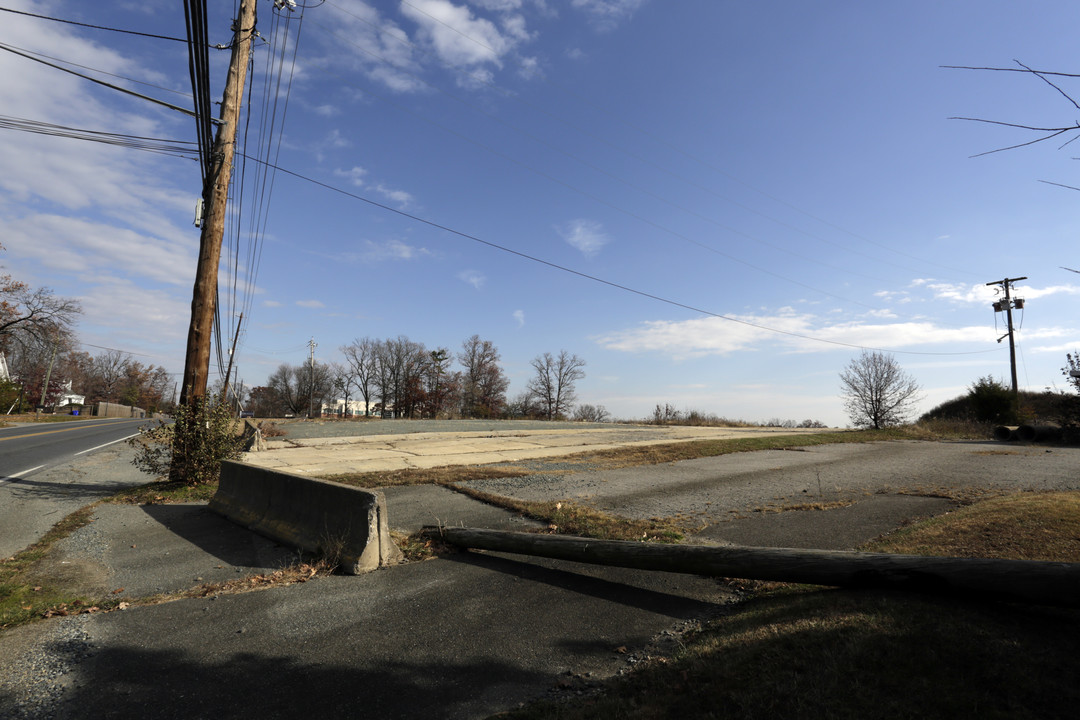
9	478
106	444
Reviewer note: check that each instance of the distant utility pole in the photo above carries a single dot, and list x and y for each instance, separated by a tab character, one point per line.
232	354
216	195
311	378
1007	305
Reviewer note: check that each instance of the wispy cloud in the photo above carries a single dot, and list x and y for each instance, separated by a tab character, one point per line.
519	315
310	304
607	14
472	277
716	336
588	236
458	36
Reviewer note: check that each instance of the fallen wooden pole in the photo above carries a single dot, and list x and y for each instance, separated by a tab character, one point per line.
1029	581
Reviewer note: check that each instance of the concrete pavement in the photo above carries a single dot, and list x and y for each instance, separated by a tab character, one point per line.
368	453
462	636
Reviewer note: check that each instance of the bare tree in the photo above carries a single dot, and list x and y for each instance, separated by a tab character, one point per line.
591	413
361	355
483	385
300	387
877	392
554	382
33	315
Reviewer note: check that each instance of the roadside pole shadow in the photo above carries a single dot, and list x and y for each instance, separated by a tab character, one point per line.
623	586
220	537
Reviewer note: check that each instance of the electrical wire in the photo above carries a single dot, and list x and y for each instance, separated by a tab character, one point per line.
30	56
609	283
87	25
178	148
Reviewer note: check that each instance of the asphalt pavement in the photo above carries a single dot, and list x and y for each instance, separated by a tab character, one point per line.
465	635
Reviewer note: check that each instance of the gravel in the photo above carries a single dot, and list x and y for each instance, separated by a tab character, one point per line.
33	682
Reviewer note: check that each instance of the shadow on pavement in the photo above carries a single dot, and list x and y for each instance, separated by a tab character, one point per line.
639	589
131	682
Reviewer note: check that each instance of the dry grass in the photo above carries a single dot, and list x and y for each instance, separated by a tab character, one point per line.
569	518
796	651
1031	526
802	507
446	475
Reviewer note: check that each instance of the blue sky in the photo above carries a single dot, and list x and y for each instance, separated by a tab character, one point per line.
787	165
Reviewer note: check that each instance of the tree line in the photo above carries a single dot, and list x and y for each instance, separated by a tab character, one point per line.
400	377
39	346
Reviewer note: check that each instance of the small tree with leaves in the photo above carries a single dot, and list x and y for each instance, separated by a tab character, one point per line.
191	448
1069	404
991	401
877	392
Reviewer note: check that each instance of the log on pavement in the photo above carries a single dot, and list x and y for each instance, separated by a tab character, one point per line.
1030	581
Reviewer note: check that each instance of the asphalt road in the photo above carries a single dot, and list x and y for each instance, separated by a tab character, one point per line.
25	449
50	470
462	636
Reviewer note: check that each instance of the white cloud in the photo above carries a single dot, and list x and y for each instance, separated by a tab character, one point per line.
81	247
472	277
456	35
393	250
134	316
402	198
500	5
607	14
355	175
377	46
586	235
314	304
704	336
981	293
271	303
519	315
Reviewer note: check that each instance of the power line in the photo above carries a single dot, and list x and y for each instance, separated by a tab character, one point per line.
608	283
163	146
87	25
30	56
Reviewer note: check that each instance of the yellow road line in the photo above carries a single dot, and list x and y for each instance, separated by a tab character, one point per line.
50	432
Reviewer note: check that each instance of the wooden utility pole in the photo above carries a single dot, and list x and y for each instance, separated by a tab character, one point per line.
1007	305
215	196
1029	581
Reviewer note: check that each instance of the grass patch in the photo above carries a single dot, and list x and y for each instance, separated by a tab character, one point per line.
23	596
854	655
803	507
1030	526
797	651
569	518
446	475
163	492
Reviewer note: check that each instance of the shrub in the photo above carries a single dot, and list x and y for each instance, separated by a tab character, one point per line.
191	448
990	401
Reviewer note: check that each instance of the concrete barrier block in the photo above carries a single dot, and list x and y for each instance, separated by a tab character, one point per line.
315	515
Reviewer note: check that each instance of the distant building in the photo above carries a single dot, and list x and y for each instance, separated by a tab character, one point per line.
354	408
70	398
